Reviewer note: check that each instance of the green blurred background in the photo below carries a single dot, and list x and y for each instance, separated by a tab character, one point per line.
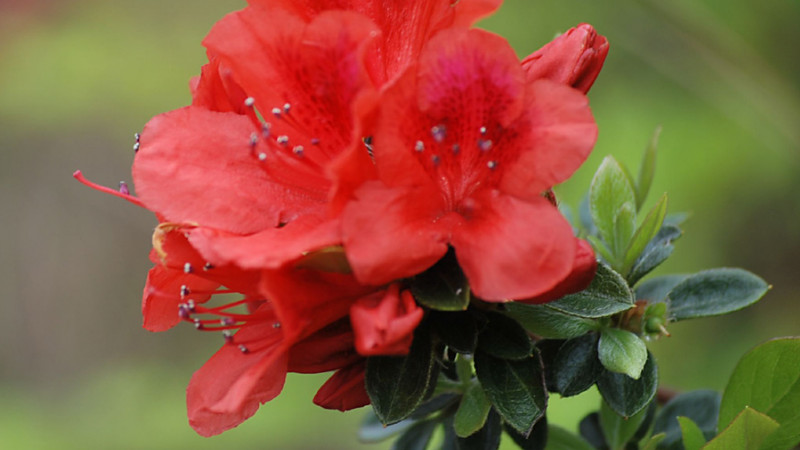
78	78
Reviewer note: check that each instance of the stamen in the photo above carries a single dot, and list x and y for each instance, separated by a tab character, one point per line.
276	325
298	150
136	147
184	291
491	165
419	146
198	324
243	349
123	188
228	336
283	140
183	311
249	102
137	136
287	107
439	132
276	112
253	139
266	129
187	268
262	156
191	305
208	266
79	176
483	131
485	144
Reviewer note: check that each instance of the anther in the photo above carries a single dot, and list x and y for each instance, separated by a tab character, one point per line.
243	349
123	188
137	136
136	147
187	268
266	128
183	311
298	150
276	112
276	325
198	325
226	321
485	144
208	266
253	139
184	291
491	165
228	336
191	305
435	160
419	146
282	140
262	156
439	132
456	149
249	102
482	130
287	107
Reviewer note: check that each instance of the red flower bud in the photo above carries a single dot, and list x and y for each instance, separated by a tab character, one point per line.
384	322
574	58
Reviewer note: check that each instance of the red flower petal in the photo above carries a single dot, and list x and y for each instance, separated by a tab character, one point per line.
560	131
574	58
393	233
384	322
216	90
269	248
231	385
344	390
512	249
583	270
195	166
328	349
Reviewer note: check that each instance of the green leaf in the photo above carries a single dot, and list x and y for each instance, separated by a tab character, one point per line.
515	388
548	322
714	292
749	430
617	429
608	294
372	430
653	442
655	289
624	227
487	438
416	437
645	233
622	351
561	439
396	385
443	286
503	337
576	367
535	441
701	406
656	251
609	191
693	438
767	378
456	329
647	169
472	411
625	395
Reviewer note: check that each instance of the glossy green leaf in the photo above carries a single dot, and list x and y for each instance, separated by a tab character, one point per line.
645	233
561	439
625	395
701	406
622	351
548	322
372	430
656	252
444	286
656	289
487	438
652	443
515	388
749	430
472	411
617	429
608	294
576	365
714	292
692	435
647	169
503	337
624	227
417	436
767	378
535	441
396	385
609	191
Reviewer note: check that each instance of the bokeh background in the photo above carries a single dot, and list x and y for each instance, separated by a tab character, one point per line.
78	78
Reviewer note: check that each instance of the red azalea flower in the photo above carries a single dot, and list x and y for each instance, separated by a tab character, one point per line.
574	58
464	149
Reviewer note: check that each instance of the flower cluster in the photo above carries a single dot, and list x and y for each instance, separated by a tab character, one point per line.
339	154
